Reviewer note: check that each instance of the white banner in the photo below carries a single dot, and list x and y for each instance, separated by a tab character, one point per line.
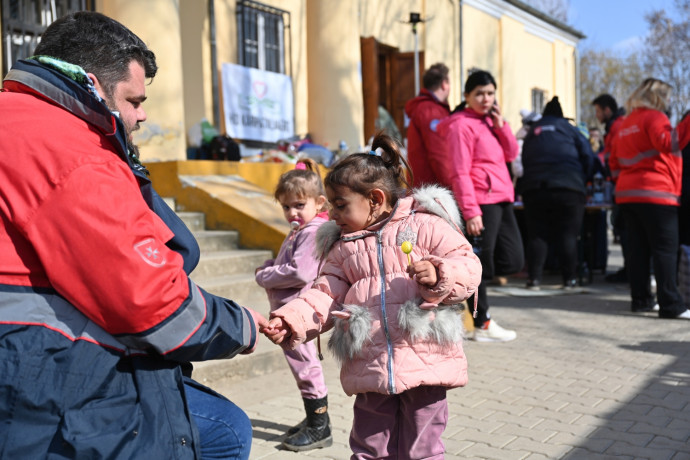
258	105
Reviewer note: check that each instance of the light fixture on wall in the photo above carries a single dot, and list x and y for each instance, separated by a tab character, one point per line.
416	18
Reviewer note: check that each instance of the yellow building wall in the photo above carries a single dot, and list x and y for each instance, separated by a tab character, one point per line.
162	136
335	107
481	44
519	61
437	37
323	57
564	78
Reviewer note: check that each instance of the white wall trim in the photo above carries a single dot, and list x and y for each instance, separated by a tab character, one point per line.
533	25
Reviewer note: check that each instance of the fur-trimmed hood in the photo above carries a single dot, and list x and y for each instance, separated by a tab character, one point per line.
432	199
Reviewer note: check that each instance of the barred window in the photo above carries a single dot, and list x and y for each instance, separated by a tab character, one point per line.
23	22
538	97
261	36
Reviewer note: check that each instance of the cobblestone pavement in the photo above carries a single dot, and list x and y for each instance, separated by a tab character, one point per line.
585	379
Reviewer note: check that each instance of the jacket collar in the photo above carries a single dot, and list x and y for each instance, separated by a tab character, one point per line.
49	83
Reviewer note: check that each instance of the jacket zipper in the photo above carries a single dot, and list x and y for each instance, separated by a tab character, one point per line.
389	344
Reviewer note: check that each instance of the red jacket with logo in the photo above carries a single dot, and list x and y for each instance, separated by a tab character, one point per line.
646	160
424	144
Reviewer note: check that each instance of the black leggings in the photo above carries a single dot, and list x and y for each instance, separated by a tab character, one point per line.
553	215
501	251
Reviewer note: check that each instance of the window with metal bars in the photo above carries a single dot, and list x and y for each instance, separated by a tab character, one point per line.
23	22
538	98
261	36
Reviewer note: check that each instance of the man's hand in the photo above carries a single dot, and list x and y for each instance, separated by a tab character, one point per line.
424	272
260	323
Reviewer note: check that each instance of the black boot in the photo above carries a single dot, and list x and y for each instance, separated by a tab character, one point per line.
317	431
296	428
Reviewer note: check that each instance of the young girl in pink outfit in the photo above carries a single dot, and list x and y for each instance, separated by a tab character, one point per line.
395	268
302	196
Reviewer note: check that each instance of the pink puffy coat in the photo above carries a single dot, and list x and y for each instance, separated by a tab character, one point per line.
399	334
476	157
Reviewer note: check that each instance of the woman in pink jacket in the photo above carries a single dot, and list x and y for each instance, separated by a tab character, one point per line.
396	267
479	143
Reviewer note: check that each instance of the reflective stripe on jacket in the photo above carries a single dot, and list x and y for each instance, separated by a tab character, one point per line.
646	161
96	309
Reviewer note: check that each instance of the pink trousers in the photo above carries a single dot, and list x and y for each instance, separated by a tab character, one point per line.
408	425
306	367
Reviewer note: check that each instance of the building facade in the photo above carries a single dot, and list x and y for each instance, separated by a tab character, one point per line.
345	58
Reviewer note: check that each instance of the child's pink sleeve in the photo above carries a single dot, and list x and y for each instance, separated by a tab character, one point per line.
309	314
459	269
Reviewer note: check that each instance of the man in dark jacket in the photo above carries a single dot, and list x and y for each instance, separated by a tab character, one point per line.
611	116
425	112
97	313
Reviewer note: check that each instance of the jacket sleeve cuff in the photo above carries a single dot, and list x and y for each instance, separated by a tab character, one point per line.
442	288
252	336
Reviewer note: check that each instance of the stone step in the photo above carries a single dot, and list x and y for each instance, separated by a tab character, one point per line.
241	288
170	202
216	240
233	262
266	359
195	221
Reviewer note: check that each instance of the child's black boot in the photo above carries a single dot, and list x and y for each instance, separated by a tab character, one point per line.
316	433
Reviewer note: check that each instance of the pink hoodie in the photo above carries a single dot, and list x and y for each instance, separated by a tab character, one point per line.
294	268
399	334
476	156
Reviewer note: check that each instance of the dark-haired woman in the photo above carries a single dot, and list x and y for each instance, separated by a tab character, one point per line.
479	143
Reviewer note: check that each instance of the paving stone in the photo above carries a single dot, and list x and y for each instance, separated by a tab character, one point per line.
584	380
524	444
593	445
624	448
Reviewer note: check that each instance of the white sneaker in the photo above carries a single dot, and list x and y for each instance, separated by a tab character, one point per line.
684	315
493	333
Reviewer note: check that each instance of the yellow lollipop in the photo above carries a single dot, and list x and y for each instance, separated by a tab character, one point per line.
406	247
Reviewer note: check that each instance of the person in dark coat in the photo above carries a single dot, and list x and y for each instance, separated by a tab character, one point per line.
557	161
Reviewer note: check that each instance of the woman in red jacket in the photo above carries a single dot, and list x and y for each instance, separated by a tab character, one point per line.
646	163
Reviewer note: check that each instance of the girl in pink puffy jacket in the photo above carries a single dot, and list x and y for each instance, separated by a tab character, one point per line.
395	267
301	194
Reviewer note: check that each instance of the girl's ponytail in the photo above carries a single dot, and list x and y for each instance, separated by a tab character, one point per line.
392	158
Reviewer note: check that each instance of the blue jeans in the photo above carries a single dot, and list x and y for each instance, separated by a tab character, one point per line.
224	429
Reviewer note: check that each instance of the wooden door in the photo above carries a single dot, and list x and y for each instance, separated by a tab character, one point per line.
403	85
370	84
387	80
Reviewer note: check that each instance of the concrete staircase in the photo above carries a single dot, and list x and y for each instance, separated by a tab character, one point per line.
224	269
228	271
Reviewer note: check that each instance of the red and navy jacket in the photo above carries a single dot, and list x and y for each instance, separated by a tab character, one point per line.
97	312
646	160
425	145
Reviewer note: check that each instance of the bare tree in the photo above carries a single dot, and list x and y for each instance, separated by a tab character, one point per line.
604	71
667	53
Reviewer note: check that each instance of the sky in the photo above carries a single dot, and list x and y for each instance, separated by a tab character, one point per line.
617	25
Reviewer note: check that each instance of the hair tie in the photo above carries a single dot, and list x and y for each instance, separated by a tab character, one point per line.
301	165
375	153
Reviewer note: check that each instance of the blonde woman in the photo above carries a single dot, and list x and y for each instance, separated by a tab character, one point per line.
646	164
